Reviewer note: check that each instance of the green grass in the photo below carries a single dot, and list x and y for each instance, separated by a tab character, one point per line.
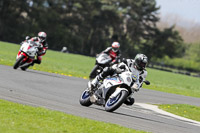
80	66
18	118
173	83
184	110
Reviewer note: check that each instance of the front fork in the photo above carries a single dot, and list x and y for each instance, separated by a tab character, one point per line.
25	59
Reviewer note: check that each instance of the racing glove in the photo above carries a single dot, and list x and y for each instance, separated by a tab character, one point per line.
118	70
124	60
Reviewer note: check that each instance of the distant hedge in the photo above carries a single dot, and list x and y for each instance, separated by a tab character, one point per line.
179	63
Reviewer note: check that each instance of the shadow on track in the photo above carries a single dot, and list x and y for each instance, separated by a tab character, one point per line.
137	117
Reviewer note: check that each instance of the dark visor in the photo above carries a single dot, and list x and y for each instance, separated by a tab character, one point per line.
42	38
142	64
115	49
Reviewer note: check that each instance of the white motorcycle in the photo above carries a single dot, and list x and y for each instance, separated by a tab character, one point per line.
29	50
112	92
103	60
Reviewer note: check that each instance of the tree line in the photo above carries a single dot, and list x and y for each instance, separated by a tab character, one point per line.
89	26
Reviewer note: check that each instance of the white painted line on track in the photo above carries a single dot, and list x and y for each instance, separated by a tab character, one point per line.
157	110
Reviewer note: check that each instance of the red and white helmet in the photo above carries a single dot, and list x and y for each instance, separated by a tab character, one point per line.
115	46
42	36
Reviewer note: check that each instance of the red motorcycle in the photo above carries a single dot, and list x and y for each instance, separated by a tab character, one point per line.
28	52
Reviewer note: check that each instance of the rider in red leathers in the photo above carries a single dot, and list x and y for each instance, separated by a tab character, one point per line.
42	51
113	52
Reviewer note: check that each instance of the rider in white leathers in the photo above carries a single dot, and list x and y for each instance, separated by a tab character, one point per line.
138	64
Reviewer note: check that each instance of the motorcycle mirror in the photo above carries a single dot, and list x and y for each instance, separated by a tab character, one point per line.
147	82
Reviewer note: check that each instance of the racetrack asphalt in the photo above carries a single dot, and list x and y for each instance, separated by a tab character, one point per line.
62	93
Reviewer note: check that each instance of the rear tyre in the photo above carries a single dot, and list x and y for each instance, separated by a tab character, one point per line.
18	62
24	68
85	98
114	103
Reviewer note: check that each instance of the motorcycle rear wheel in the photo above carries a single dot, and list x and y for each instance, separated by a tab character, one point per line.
24	68
18	62
114	103
85	98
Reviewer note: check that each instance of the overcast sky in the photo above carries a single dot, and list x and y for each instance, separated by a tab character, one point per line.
186	9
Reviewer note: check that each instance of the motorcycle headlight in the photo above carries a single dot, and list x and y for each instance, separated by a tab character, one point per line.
128	79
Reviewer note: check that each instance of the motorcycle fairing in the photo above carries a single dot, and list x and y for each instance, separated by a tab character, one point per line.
103	59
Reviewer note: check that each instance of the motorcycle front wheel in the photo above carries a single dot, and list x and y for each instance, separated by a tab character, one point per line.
18	61
85	98
115	102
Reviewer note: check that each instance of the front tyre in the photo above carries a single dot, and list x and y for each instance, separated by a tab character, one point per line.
85	98
18	61
114	103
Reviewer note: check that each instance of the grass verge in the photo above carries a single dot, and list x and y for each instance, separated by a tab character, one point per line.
184	110
173	83
18	118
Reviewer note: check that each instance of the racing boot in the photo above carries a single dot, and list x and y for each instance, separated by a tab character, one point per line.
93	87
95	82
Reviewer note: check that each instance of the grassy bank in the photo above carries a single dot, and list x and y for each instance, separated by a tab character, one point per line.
173	83
184	110
80	66
17	118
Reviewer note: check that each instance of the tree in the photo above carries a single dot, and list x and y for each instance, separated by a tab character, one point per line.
167	42
13	20
88	27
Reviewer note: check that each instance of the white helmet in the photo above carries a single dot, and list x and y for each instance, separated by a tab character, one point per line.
42	36
115	46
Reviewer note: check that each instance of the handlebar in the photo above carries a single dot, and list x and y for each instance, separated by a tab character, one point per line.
147	82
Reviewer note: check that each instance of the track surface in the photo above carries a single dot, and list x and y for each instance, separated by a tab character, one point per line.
62	93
